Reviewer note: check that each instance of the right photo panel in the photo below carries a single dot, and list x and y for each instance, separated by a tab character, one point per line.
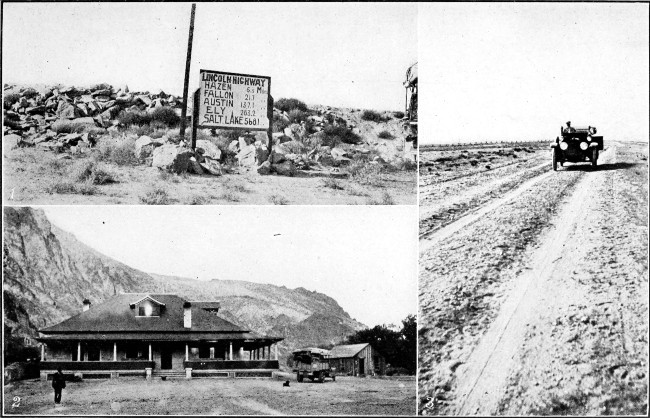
533	209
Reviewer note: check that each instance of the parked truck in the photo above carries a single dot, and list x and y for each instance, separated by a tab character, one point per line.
312	363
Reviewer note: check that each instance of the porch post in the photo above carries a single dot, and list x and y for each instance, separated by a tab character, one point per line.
250	354
149	351
115	351
275	349
43	352
230	357
79	351
187	352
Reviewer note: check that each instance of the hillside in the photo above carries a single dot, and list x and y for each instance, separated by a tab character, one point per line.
48	273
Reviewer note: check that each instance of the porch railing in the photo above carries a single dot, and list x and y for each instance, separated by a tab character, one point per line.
207	364
96	365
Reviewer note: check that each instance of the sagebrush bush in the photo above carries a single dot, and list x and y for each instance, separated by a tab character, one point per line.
332	183
372	115
334	134
165	115
9	99
92	172
366	173
297	116
120	151
277	199
130	117
385	135
294	147
156	196
398	114
287	105
279	123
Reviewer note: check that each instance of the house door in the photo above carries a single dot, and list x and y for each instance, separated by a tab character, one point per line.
165	359
362	366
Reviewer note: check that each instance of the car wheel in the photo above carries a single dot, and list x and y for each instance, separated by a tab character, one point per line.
594	157
333	378
299	377
554	160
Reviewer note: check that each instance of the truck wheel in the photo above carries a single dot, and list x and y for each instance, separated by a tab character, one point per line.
554	160
594	157
299	377
333	378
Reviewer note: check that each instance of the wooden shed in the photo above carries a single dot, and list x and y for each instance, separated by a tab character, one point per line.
357	360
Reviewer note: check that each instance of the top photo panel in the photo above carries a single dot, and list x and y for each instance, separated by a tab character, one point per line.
209	104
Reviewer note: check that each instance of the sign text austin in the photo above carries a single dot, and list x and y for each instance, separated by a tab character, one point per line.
228	100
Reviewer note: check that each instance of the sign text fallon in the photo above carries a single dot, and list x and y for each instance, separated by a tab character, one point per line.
229	100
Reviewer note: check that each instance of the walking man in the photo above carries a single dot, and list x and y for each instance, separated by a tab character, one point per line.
58	383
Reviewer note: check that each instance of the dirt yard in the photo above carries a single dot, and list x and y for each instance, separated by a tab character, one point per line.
535	301
130	396
35	176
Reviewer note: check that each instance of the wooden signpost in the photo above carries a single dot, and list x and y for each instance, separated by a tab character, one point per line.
233	101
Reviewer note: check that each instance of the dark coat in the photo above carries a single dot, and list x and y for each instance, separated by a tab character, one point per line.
58	381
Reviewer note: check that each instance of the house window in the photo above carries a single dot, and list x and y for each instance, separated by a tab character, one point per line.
211	352
134	352
147	308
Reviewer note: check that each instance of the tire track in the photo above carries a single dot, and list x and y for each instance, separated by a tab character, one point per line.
483	379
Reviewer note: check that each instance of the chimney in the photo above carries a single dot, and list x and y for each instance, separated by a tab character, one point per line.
86	303
187	315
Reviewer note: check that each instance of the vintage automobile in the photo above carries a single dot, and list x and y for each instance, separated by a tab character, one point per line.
312	363
577	145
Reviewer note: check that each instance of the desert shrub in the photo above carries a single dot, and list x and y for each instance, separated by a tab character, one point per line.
11	121
279	123
156	195
120	151
371	115
398	114
230	196
9	99
286	105
385	135
333	135
130	117
355	190
92	172
166	115
297	116
71	187
170	177
101	86
332	183
198	200
386	199
277	199
366	173
294	147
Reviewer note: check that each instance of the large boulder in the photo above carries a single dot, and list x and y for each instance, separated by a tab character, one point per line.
144	147
208	149
286	168
66	110
246	156
172	158
264	168
211	166
78	123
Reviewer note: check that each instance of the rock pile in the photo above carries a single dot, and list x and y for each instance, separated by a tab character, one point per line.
69	119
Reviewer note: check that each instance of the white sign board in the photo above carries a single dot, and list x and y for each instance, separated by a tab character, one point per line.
228	100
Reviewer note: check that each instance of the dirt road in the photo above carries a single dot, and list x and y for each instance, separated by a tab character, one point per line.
131	396
537	302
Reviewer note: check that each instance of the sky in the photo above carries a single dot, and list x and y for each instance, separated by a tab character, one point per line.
364	257
348	55
510	71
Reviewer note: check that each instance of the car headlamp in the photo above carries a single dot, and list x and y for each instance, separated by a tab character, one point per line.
563	145
588	138
584	146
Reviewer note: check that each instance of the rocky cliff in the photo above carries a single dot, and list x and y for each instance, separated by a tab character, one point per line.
48	273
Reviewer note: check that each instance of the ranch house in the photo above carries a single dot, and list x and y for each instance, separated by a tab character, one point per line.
154	335
357	360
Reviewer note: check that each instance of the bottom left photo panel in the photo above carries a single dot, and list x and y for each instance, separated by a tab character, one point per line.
209	310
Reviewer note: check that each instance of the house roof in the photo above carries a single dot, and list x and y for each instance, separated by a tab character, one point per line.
249	337
116	315
349	350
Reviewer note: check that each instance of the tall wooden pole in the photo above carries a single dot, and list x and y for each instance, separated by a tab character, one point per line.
187	73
